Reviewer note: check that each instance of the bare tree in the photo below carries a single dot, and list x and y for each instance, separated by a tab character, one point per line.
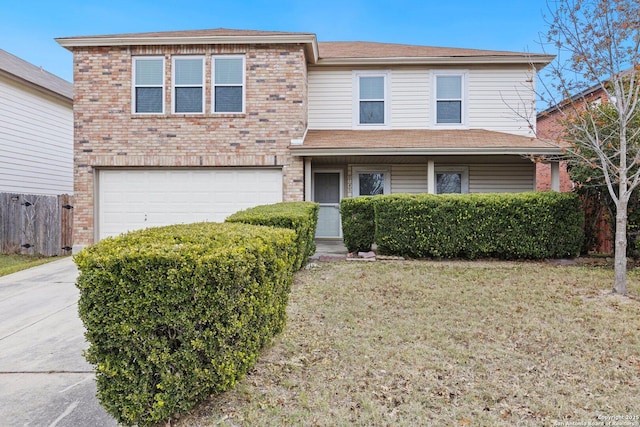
598	46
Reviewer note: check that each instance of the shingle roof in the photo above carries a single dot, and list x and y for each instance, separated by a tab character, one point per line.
23	70
330	53
361	49
420	141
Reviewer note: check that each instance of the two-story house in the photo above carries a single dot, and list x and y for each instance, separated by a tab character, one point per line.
194	125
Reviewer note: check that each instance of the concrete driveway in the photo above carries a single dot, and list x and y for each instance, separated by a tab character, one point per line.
44	379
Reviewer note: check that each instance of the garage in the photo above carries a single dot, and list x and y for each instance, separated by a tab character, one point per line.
131	199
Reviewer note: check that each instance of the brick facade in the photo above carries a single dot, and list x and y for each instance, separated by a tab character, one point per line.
108	135
548	127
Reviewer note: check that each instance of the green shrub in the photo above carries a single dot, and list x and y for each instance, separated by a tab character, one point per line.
358	223
302	217
174	314
507	226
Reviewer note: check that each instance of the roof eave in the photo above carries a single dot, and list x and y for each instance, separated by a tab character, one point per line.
300	151
538	61
307	39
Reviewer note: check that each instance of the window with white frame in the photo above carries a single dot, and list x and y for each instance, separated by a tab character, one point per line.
228	84
371	181
449	98
148	85
188	84
371	99
454	179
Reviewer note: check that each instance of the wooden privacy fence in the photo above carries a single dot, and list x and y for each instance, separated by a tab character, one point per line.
31	224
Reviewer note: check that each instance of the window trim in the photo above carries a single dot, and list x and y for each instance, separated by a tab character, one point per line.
355	178
214	85
174	86
464	116
386	75
134	86
464	172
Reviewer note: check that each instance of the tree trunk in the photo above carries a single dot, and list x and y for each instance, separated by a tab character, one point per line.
620	263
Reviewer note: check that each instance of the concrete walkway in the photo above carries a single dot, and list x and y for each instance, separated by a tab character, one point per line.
329	250
44	379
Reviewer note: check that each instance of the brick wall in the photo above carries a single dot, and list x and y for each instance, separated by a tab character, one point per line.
108	135
548	127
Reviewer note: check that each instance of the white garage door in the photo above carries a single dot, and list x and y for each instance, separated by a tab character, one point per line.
133	199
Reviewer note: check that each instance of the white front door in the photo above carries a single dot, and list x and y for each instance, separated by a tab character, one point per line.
327	191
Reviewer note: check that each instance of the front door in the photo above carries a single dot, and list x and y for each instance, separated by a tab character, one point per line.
327	191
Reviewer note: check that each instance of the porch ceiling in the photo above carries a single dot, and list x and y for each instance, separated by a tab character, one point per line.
419	142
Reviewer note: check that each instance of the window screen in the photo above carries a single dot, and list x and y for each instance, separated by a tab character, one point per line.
449	99
188	84
228	85
371	100
148	85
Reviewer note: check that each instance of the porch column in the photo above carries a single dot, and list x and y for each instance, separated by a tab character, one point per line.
307	179
431	177
555	176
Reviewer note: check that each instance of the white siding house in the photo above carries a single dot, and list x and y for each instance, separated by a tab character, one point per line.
36	129
416	119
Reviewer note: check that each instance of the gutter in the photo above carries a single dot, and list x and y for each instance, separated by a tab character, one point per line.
452	151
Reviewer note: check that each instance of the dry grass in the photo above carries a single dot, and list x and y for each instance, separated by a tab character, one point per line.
11	263
451	343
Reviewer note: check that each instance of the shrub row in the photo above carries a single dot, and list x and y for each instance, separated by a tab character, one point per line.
506	226
302	217
174	314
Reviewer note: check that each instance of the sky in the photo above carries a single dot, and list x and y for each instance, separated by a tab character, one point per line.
28	28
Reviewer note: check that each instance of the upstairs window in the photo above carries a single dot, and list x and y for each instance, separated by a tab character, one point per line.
148	85
449	90
371	99
228	84
188	85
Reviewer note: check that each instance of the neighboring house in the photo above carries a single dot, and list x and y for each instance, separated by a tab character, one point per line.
549	127
194	125
36	129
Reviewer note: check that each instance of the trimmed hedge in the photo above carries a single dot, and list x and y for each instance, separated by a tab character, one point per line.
358	223
507	226
174	314
302	217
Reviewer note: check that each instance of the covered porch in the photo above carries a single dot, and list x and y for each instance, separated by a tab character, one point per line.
341	164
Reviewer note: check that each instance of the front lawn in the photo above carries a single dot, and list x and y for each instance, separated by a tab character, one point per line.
12	262
444	343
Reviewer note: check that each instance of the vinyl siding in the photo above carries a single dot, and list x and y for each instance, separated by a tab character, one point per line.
497	175
36	142
409	178
500	100
330	99
410	99
501	178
